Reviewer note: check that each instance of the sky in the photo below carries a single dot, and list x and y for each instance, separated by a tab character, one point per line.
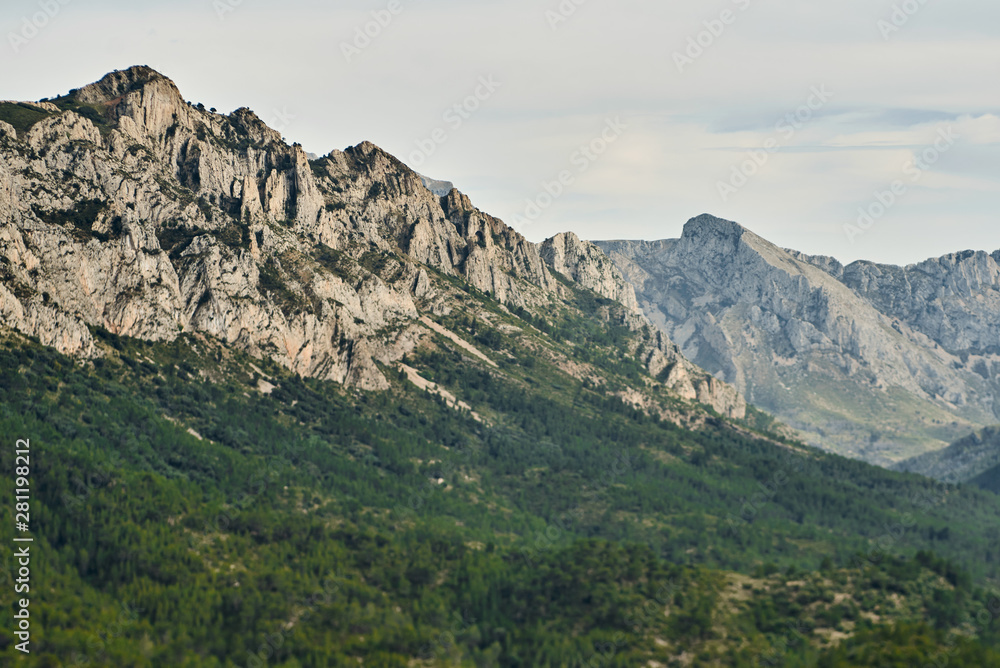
858	129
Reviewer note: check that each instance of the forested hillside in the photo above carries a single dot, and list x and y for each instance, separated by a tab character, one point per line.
197	508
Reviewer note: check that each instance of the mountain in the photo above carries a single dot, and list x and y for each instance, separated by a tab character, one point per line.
127	208
975	458
876	362
439	188
308	413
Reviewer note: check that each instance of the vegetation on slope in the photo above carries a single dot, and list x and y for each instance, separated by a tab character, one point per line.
196	507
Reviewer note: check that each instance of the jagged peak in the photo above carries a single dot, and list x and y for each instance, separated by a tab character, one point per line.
827	263
247	116
456	202
368	149
588	265
370	153
118	84
555	248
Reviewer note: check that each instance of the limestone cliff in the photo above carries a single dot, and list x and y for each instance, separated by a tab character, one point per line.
586	264
126	208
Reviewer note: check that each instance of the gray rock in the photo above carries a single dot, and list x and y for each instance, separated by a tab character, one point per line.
871	361
167	219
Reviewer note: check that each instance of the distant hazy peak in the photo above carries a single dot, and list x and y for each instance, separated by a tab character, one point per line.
712	225
439	188
848	354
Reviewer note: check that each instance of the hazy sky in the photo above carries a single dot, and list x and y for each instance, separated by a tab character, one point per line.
677	101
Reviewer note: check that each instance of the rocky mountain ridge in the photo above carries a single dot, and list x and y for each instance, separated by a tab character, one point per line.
872	361
126	208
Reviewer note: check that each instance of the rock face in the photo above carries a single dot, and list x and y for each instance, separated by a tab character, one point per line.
126	208
871	361
586	264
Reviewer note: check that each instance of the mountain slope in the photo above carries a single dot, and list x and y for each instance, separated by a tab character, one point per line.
124	207
198	507
965	460
848	356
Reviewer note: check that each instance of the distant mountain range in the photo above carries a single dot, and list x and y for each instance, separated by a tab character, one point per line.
868	360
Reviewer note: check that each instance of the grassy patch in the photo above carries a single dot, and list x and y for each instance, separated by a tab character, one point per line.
21	116
96	114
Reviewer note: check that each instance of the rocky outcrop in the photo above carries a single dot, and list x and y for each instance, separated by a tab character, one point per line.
844	354
666	363
954	299
587	265
126	208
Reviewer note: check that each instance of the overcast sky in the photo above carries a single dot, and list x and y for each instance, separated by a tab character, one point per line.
684	105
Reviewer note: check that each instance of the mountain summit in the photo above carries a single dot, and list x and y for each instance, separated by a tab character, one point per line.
870	360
